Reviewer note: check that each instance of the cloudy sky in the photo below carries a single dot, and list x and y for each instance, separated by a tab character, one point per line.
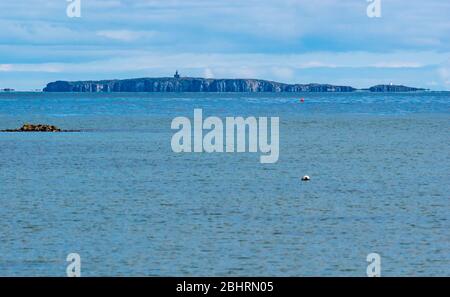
295	41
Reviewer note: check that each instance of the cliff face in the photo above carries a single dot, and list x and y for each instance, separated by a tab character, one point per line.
188	85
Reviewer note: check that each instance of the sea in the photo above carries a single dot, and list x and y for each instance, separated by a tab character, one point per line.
118	195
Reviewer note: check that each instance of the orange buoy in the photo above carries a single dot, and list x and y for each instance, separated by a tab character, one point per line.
302	100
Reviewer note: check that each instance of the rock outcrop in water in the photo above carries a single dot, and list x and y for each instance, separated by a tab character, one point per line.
188	84
37	128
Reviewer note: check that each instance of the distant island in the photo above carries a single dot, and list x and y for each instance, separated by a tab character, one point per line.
7	90
191	84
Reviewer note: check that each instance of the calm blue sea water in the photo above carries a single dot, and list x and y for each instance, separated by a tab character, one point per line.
117	194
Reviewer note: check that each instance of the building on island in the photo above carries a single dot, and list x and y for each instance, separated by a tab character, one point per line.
176	75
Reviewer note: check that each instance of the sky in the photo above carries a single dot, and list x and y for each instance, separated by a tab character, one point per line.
292	41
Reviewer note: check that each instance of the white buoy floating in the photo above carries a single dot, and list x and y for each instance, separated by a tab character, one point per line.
306	178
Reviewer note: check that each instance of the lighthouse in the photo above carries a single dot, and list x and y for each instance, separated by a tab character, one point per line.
176	75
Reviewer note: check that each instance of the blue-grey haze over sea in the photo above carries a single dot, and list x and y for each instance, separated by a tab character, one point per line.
117	194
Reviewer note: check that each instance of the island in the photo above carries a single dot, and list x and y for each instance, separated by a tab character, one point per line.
7	90
38	128
192	84
393	88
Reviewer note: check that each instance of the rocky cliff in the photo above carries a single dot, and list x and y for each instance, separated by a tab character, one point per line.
189	84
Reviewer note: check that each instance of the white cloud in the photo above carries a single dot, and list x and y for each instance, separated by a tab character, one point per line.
5	67
208	73
126	35
444	73
241	65
283	73
45	67
397	64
